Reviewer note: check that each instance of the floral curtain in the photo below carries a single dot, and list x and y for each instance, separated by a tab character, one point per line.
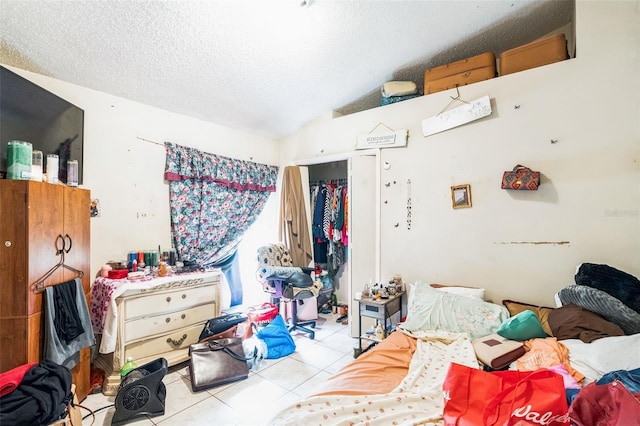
213	201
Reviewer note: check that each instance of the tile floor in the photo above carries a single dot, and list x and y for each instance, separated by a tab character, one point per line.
255	400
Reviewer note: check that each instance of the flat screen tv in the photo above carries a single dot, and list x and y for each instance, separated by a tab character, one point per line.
32	114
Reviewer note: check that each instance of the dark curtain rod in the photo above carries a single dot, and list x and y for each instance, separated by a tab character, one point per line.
341	182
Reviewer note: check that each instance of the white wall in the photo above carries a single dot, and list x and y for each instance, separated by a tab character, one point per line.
126	173
508	242
590	193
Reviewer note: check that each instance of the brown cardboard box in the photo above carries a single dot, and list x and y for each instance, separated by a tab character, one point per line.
540	52
460	73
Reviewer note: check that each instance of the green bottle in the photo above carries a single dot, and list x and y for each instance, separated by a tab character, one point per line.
128	366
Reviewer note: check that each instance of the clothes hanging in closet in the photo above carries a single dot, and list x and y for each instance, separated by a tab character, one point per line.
329	202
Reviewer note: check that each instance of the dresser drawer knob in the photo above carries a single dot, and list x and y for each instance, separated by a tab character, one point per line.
168	299
168	319
183	316
176	342
184	296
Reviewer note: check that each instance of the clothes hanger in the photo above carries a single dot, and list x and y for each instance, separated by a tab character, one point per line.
457	98
380	123
39	286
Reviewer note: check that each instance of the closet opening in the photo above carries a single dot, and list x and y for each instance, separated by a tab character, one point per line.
329	212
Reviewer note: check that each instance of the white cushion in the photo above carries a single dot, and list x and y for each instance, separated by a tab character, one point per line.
603	355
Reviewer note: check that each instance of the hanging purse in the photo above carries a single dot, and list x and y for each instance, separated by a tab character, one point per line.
521	178
217	362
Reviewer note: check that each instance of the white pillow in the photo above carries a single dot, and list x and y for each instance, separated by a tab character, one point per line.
604	355
476	293
430	309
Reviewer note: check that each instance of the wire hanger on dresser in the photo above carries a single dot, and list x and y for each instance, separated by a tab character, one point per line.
39	285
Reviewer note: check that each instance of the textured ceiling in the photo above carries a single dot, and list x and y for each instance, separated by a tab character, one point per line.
267	67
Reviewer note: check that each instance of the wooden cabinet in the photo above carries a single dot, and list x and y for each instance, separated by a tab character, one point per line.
161	320
32	217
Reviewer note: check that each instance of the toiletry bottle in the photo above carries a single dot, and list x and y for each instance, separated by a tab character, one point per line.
379	332
128	366
162	269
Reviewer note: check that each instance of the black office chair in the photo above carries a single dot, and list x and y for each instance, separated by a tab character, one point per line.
295	287
284	281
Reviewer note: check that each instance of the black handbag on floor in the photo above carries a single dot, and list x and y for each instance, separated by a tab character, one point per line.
217	362
218	325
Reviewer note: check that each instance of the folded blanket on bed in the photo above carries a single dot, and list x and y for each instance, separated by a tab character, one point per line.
394	99
602	303
602	356
575	322
624	287
416	400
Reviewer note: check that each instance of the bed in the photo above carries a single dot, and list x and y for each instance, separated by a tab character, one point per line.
400	380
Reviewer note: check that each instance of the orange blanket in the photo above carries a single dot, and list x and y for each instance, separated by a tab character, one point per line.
377	371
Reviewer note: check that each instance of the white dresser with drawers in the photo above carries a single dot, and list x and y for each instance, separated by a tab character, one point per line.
159	318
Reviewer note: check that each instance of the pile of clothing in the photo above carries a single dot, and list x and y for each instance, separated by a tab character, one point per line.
35	393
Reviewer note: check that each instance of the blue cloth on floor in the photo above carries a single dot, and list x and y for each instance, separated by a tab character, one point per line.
277	338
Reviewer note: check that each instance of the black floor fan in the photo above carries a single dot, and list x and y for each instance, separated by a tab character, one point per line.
141	393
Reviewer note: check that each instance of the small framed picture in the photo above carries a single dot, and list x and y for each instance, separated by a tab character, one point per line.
461	196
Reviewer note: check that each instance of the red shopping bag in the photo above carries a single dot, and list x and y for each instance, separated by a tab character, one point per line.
262	314
474	397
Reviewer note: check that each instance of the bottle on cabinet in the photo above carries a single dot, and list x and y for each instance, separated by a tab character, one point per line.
379	332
